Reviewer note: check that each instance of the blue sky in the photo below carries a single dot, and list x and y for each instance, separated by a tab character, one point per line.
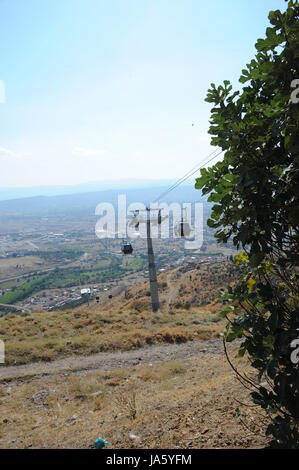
98	89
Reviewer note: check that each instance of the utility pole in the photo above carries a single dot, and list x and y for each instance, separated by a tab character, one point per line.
152	266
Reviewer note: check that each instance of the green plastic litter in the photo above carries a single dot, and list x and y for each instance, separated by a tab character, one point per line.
100	443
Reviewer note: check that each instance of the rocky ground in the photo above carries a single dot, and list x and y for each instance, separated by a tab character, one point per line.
165	396
138	379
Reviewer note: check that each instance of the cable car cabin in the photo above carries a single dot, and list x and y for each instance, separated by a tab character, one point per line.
183	229
159	217
127	248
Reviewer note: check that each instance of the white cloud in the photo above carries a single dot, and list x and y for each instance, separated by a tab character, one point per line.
7	153
4	152
87	152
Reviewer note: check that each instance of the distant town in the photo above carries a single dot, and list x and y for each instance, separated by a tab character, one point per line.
55	262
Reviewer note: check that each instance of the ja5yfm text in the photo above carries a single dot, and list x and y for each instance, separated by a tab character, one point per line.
154	459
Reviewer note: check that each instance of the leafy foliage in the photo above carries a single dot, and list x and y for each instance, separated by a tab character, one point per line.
255	193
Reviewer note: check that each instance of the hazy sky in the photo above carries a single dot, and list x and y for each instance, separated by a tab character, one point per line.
109	89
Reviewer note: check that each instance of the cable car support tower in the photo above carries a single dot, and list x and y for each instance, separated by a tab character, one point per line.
183	229
151	265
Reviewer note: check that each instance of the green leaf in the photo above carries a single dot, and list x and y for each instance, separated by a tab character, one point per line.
268	342
223	313
255	259
242	351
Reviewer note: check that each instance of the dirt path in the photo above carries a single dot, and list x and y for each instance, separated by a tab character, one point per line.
15	308
113	360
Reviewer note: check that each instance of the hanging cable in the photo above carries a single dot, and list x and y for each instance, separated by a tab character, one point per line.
187	174
190	173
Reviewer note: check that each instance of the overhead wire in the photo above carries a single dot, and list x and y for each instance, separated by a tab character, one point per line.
190	173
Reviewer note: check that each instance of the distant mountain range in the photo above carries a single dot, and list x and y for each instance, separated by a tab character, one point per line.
7	193
86	202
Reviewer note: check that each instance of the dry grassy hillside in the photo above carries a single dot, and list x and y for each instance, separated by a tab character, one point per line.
189	306
167	396
187	403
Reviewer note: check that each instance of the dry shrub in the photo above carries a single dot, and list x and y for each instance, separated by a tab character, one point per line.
75	385
146	375
98	403
139	305
175	335
126	401
98	330
86	322
114	382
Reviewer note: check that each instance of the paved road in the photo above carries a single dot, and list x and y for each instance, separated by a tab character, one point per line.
29	274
